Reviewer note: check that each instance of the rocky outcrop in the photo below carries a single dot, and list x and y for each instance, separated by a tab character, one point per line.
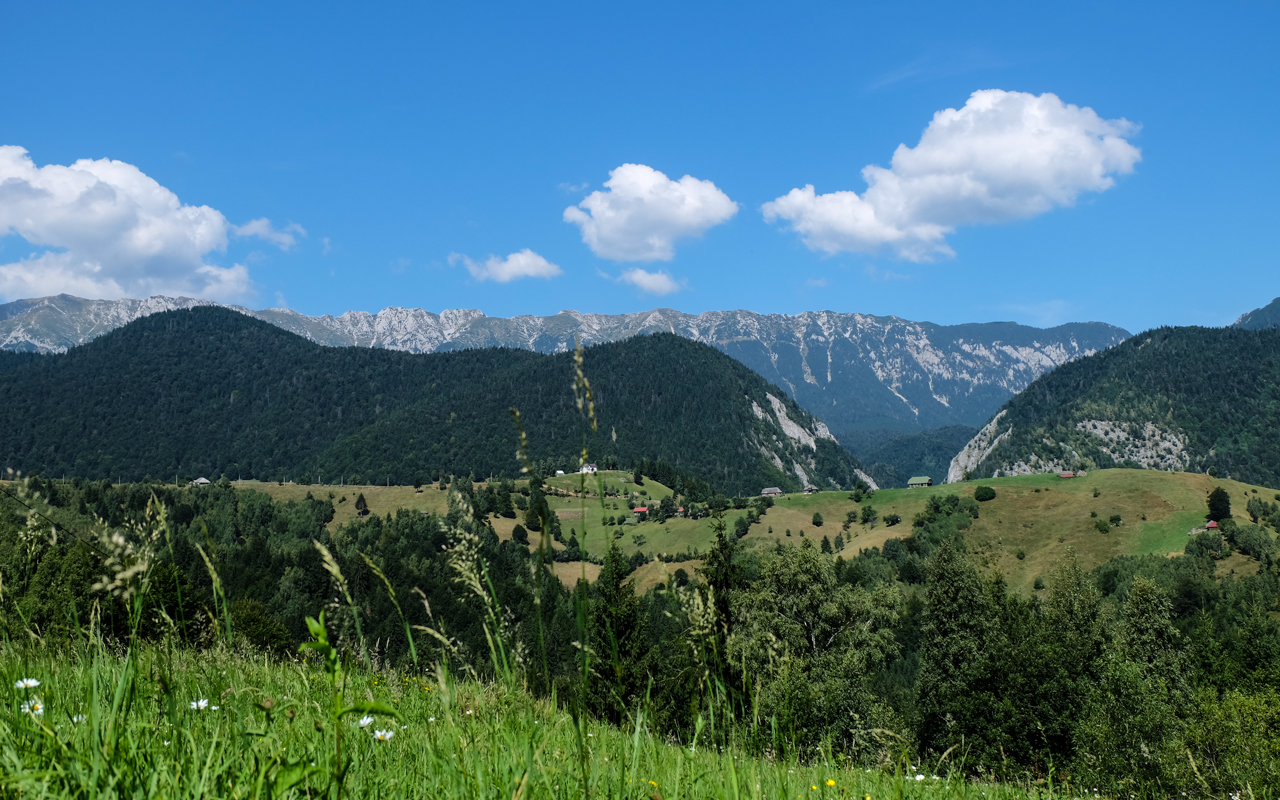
978	448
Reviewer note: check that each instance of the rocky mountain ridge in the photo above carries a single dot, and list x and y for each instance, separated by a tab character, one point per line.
1173	399
854	371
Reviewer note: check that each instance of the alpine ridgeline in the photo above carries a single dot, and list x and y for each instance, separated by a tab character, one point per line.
1177	399
1261	318
208	391
854	371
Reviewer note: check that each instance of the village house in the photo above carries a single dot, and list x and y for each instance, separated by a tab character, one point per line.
919	482
771	491
588	469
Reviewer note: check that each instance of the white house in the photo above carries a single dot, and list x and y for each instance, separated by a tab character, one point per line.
200	482
588	469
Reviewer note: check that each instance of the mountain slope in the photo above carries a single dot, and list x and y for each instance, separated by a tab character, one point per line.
1181	399
893	459
855	371
1261	318
211	391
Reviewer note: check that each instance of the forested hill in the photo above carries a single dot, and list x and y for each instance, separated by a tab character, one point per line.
209	391
1182	399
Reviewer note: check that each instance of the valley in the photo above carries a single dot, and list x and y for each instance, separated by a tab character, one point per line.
1041	517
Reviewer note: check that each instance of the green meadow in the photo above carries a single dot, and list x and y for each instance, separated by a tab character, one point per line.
1039	516
165	721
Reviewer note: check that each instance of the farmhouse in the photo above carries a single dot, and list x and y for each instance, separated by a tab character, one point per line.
919	482
1066	474
810	489
588	469
771	491
199	482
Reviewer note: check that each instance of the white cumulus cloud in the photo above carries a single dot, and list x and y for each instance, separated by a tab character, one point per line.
284	238
524	264
110	231
652	282
642	212
1004	156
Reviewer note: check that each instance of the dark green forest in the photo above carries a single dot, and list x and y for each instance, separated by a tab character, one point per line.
1148	675
210	392
1218	387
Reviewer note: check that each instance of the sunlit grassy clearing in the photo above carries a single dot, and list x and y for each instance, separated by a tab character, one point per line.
1019	519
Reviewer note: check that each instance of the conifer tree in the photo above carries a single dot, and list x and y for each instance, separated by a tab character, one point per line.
956	640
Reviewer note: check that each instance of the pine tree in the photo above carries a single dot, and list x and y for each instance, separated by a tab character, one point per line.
956	640
619	639
1219	505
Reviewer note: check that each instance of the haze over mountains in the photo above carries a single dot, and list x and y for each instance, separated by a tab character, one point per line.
854	371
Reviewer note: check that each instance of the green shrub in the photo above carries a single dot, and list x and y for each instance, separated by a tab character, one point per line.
984	493
1103	526
817	520
251	620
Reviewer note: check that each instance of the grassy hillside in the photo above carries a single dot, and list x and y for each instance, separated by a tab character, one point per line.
210	392
1038	515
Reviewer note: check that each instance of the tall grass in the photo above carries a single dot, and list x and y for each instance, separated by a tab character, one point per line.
159	720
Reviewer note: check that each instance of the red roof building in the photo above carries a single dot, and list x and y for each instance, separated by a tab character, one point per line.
1213	526
639	510
1066	474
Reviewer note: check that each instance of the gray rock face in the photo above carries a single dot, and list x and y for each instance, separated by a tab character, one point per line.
1261	318
851	370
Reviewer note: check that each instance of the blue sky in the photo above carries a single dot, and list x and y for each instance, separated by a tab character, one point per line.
363	156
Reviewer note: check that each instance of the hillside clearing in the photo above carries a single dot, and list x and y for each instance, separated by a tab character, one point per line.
1037	515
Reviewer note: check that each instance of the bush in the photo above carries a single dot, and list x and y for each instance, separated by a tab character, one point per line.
1039	584
1022	554
984	493
1103	526
817	520
1115	519
251	620
520	535
892	519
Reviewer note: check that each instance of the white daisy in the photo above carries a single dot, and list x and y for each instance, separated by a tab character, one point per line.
26	683
199	705
34	707
79	718
383	736
365	721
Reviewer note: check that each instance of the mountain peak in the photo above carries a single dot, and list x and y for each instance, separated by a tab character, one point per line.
852	370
